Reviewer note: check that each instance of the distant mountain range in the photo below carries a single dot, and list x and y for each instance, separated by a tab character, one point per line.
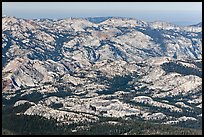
83	70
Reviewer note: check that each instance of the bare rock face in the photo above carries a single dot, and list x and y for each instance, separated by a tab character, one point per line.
75	70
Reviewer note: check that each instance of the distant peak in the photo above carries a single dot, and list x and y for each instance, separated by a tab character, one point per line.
197	25
97	19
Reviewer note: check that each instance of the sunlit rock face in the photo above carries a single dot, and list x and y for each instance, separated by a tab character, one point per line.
79	69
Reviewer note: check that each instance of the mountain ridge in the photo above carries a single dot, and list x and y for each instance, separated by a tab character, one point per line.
73	70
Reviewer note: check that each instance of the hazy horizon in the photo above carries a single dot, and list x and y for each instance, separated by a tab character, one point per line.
180	13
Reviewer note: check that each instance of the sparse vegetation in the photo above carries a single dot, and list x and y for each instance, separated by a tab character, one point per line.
36	125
